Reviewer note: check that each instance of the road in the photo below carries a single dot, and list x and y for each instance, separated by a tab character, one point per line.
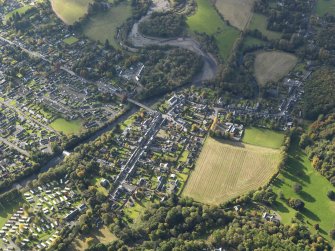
15	147
32	120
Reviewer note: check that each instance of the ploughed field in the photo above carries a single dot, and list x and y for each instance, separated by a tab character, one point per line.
228	169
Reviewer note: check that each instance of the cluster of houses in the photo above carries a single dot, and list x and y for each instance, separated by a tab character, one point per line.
51	206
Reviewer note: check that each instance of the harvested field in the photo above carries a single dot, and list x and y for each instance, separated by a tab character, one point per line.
227	169
70	10
237	12
272	66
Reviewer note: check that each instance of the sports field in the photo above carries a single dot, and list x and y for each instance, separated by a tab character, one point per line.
207	20
227	169
237	12
260	22
70	10
263	137
67	127
70	40
325	6
272	66
104	26
319	209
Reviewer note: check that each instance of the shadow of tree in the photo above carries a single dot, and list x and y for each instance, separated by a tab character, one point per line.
309	214
307	197
280	207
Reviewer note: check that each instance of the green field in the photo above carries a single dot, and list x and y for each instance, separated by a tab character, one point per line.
21	10
207	20
259	22
70	40
70	10
263	137
104	26
325	6
251	41
67	127
318	207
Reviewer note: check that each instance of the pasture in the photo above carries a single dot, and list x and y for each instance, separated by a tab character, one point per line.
263	137
227	169
70	11
237	12
67	127
319	209
208	21
272	66
104	26
325	6
260	22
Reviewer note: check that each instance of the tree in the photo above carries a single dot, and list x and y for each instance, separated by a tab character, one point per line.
332	234
331	195
296	204
297	187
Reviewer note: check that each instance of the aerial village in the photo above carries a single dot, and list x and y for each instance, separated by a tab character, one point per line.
144	159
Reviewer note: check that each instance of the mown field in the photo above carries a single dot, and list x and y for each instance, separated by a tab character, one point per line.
104	26
319	209
263	137
67	127
226	170
237	12
260	22
70	10
325	6
207	20
272	66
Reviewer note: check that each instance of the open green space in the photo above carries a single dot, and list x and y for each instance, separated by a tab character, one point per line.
67	127
96	182
70	40
260	22
104	26
263	137
319	209
251	41
70	11
21	10
207	20
325	6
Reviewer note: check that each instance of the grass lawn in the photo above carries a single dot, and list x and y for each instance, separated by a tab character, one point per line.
96	182
226	169
67	127
325	6
271	66
21	10
70	10
70	40
259	22
104	26
263	137
207	20
318	207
